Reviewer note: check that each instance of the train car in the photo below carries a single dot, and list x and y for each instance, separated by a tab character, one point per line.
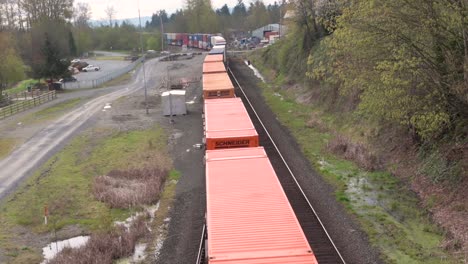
217	40
217	85
213	67
199	41
249	218
214	58
218	50
228	125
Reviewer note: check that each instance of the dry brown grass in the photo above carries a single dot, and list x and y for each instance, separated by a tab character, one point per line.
104	248
130	188
356	152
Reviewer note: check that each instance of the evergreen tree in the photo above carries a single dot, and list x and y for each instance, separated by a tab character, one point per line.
52	65
71	44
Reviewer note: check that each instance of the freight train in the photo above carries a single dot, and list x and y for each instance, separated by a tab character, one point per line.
249	218
199	41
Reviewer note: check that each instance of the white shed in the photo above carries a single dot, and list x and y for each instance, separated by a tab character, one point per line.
173	102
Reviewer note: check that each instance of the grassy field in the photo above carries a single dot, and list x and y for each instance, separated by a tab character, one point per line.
6	146
387	211
63	184
51	112
22	86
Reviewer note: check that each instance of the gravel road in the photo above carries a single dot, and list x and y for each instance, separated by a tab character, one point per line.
42	144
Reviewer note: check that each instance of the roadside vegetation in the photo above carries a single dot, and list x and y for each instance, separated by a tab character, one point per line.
6	146
388	212
376	96
22	86
78	187
50	112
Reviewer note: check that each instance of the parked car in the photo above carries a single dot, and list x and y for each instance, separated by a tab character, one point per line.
91	68
68	79
79	65
75	61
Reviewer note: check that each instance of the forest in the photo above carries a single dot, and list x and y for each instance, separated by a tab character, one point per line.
38	35
399	63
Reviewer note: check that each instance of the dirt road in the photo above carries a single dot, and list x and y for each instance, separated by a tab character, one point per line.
45	142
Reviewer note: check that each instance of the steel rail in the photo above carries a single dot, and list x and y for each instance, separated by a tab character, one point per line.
287	166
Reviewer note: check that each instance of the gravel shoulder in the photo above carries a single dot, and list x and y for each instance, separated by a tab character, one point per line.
344	230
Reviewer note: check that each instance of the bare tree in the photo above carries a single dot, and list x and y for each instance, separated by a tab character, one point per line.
110	12
82	14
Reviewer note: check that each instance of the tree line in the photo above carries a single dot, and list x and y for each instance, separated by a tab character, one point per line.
39	37
400	62
198	16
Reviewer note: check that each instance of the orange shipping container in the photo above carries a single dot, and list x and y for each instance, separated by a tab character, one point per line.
213	67
228	125
214	58
249	218
217	85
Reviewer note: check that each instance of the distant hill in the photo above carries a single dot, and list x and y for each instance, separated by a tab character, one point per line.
134	21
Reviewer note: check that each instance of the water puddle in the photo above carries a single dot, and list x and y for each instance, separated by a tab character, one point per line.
256	72
279	95
52	249
151	210
359	189
387	212
139	254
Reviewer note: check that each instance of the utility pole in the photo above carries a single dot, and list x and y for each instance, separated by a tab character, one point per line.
143	59
281	17
162	30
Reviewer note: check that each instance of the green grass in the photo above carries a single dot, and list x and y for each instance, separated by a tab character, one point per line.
6	146
22	86
386	210
63	184
174	175
51	112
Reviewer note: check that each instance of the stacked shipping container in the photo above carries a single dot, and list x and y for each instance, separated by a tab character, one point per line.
249	219
200	41
228	125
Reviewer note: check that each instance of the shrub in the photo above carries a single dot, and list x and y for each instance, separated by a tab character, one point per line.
356	152
129	188
104	248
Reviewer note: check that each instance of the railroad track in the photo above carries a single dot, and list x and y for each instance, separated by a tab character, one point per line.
319	240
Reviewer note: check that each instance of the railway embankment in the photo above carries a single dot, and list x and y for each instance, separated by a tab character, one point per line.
381	201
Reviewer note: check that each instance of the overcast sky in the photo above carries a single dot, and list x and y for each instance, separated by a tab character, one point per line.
129	8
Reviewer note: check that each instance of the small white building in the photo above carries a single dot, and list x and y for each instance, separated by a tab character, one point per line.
173	102
260	32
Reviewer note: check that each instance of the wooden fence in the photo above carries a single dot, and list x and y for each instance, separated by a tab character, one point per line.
26	104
